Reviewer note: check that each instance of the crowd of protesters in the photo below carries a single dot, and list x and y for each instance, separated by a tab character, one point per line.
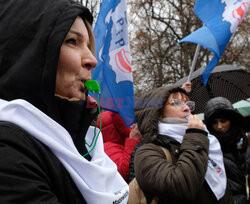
51	153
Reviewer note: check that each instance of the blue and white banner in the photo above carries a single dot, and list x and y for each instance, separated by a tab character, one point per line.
114	72
221	19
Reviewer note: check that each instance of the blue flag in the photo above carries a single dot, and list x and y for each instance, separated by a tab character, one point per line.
114	72
221	19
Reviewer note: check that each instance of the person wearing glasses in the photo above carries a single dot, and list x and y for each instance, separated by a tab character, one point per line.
187	86
196	173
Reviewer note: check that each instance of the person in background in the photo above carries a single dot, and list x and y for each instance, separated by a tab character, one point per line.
196	173
46	55
230	127
119	141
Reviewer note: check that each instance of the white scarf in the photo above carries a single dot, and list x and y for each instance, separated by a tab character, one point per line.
98	180
215	175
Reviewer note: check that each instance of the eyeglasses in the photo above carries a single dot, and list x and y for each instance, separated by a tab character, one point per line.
179	103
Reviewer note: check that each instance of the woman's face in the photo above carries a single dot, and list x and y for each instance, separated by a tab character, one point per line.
221	125
75	62
172	111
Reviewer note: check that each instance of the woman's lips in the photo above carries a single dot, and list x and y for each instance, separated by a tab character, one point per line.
91	99
91	102
83	88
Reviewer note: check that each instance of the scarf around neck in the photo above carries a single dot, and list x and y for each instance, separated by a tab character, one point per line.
98	180
215	175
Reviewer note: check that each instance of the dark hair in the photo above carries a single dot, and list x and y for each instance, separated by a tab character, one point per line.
178	89
173	91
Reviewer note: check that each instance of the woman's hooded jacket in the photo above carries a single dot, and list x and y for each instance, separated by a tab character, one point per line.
183	182
234	143
31	35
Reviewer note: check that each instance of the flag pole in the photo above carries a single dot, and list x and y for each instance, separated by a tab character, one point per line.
194	61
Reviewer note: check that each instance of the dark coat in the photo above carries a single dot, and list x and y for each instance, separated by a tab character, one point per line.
235	169
180	182
30	172
184	180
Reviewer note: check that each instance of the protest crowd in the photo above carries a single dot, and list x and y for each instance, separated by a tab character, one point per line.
61	143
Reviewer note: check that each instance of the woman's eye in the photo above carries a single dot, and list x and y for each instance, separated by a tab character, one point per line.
223	120
177	103
214	122
71	41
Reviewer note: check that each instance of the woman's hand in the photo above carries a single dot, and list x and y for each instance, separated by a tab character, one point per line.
135	133
187	86
195	122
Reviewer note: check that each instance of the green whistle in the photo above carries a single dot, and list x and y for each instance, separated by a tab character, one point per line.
93	86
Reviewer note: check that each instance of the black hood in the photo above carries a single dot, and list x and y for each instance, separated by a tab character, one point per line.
31	34
222	107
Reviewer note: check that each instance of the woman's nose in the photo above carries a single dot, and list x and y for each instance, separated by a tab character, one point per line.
186	107
219	125
89	62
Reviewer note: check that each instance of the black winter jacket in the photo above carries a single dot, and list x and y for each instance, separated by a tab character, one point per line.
31	171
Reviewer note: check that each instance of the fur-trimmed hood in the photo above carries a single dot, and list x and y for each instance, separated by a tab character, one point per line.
148	111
